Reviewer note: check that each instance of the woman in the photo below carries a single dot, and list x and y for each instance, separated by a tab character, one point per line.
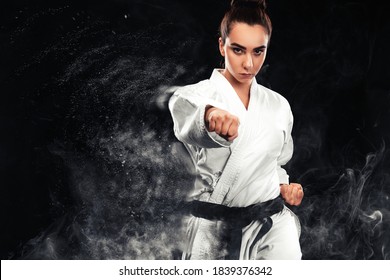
238	134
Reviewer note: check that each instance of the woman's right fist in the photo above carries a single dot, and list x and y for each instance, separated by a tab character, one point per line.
222	122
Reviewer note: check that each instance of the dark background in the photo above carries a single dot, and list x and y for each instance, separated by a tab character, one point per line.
89	166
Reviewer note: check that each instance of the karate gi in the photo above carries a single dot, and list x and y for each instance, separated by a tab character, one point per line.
239	173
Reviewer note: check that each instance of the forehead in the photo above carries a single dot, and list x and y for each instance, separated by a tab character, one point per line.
248	35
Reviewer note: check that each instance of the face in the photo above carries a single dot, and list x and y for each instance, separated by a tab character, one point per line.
244	51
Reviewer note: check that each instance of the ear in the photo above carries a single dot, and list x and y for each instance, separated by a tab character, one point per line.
221	49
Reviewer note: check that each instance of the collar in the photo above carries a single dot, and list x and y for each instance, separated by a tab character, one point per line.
220	79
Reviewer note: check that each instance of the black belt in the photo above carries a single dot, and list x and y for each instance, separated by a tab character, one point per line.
237	218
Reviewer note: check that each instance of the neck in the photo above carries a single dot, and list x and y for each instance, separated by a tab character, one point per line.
242	89
244	94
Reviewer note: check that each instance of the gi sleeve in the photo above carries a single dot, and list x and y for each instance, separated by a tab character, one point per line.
187	106
287	151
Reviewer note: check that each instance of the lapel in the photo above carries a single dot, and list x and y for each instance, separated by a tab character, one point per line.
247	117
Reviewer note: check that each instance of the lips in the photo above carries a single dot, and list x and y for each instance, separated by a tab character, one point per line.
246	75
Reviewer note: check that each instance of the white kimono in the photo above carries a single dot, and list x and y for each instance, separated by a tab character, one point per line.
239	173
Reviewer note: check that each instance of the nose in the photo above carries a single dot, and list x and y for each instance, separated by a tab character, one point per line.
248	62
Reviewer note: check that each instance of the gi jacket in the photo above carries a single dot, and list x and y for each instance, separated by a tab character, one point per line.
239	173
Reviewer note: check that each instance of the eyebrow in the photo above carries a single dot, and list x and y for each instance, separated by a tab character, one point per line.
244	48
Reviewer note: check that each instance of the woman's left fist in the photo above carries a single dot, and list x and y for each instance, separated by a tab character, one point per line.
292	193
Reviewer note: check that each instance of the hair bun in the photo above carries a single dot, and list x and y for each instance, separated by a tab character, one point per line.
249	3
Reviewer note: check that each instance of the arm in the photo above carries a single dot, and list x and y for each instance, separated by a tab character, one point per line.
198	120
291	193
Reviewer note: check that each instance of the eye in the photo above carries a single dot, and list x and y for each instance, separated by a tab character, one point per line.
258	51
237	50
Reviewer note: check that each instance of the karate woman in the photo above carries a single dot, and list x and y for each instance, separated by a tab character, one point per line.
238	134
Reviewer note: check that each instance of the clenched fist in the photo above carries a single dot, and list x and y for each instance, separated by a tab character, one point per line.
222	122
292	194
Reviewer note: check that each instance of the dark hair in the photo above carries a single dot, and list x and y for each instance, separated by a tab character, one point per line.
250	12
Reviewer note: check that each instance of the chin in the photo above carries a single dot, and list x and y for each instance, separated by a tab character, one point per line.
245	81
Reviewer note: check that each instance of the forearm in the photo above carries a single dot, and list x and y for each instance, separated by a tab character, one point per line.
189	118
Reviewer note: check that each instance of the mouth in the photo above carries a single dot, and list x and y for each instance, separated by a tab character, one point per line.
246	75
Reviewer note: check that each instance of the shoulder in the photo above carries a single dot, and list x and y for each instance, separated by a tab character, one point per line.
274	97
203	88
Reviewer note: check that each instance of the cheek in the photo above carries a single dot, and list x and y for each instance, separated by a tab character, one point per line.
259	61
235	61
